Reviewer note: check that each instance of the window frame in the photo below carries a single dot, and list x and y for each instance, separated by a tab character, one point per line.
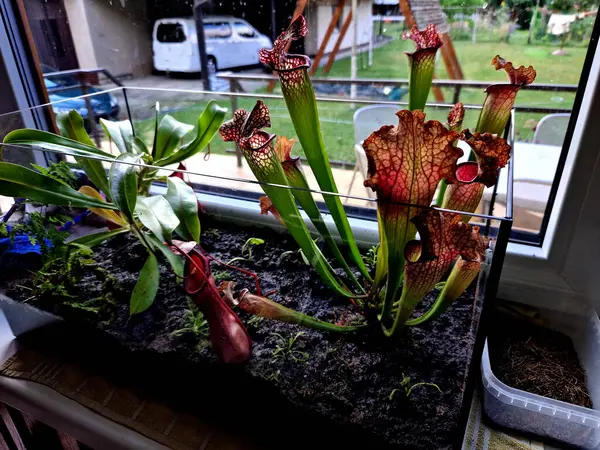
553	269
176	26
254	32
25	79
219	24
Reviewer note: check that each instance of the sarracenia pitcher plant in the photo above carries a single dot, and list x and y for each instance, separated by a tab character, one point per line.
408	163
301	103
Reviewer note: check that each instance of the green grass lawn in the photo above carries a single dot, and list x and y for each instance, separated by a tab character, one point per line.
390	62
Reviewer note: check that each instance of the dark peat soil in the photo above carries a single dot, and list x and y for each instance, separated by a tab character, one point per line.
330	391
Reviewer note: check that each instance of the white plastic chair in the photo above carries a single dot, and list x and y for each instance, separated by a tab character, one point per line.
551	129
367	120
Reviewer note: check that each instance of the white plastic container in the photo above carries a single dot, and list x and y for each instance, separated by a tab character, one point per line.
542	416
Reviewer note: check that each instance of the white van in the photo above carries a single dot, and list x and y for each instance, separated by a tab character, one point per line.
230	42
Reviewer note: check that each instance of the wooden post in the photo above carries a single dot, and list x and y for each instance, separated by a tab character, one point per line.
338	43
300	5
334	19
450	59
353	62
410	21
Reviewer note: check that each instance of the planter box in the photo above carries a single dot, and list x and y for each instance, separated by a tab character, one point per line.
335	390
546	417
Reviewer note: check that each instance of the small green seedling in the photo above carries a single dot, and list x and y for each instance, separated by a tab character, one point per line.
274	376
407	387
247	250
370	258
194	323
255	321
284	348
289	253
221	276
286	255
213	233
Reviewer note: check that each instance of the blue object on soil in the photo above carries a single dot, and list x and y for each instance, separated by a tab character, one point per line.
20	245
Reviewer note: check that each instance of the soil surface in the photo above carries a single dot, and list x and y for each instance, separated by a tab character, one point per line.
346	380
539	360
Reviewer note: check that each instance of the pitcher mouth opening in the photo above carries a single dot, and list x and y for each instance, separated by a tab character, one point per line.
302	62
266	139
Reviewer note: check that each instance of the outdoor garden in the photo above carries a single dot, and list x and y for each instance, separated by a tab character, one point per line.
389	63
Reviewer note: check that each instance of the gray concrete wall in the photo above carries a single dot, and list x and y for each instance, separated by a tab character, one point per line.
80	31
318	17
114	34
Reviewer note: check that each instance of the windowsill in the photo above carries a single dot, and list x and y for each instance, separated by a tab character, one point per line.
365	230
526	251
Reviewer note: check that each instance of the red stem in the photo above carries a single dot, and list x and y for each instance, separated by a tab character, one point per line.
239	269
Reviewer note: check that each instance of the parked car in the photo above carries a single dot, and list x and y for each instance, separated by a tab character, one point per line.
103	105
230	42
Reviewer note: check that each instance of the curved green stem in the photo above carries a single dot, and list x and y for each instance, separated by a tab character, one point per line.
462	275
302	105
140	235
307	202
441	192
265	307
267	169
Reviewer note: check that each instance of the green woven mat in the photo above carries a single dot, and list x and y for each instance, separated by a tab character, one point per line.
480	436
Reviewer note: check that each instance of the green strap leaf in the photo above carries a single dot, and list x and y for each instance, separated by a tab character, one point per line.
53	142
208	125
145	289
92	240
157	215
18	181
121	133
71	125
175	261
123	184
139	146
182	199
301	103
168	136
267	168
297	179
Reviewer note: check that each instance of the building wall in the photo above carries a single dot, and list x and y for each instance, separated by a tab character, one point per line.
51	35
115	35
319	16
80	31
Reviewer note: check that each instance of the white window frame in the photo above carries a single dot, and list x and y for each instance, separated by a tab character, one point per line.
566	266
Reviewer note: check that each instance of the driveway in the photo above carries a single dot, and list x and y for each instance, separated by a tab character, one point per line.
143	98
